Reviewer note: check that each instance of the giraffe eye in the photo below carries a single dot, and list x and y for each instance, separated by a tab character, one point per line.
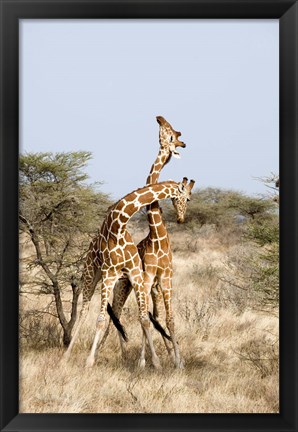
171	138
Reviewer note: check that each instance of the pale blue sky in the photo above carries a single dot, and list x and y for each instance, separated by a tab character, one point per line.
98	85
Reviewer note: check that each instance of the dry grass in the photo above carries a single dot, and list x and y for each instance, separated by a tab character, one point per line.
230	350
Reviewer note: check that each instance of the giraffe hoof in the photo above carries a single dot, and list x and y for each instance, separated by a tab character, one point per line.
156	363
180	364
89	362
65	358
172	355
141	363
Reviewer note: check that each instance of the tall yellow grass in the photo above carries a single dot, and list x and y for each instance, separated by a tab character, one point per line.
230	349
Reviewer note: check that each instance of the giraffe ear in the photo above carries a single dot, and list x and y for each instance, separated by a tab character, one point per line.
191	184
181	187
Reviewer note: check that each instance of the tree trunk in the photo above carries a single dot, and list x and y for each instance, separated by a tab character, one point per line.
59	305
66	337
67	326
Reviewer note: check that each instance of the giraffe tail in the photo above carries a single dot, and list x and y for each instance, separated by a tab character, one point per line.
158	327
117	323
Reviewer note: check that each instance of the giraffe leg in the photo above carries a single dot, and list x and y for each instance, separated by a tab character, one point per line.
108	283
90	278
122	289
142	290
120	298
157	299
106	334
142	360
80	322
166	285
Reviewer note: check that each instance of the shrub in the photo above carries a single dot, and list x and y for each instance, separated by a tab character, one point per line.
59	213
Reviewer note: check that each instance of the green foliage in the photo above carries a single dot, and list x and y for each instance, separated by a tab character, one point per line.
265	264
221	208
247	206
60	212
264	231
53	168
258	270
55	199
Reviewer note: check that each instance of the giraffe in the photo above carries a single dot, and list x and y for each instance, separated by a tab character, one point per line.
113	254
155	250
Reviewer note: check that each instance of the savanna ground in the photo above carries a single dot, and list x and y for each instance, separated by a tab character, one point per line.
228	341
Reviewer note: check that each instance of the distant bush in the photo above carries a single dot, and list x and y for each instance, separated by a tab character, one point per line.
265	274
264	231
221	207
257	270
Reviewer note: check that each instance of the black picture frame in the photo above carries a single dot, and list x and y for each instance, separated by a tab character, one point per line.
11	12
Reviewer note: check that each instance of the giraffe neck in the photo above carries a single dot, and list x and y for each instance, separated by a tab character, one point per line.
123	210
153	210
163	157
157	226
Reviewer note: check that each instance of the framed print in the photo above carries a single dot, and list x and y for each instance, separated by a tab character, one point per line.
99	100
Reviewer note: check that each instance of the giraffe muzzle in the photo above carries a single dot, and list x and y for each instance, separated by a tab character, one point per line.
176	154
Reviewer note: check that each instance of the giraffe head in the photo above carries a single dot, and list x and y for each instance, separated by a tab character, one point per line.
169	138
183	196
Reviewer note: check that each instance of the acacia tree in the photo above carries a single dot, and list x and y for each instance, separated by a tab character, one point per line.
59	212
